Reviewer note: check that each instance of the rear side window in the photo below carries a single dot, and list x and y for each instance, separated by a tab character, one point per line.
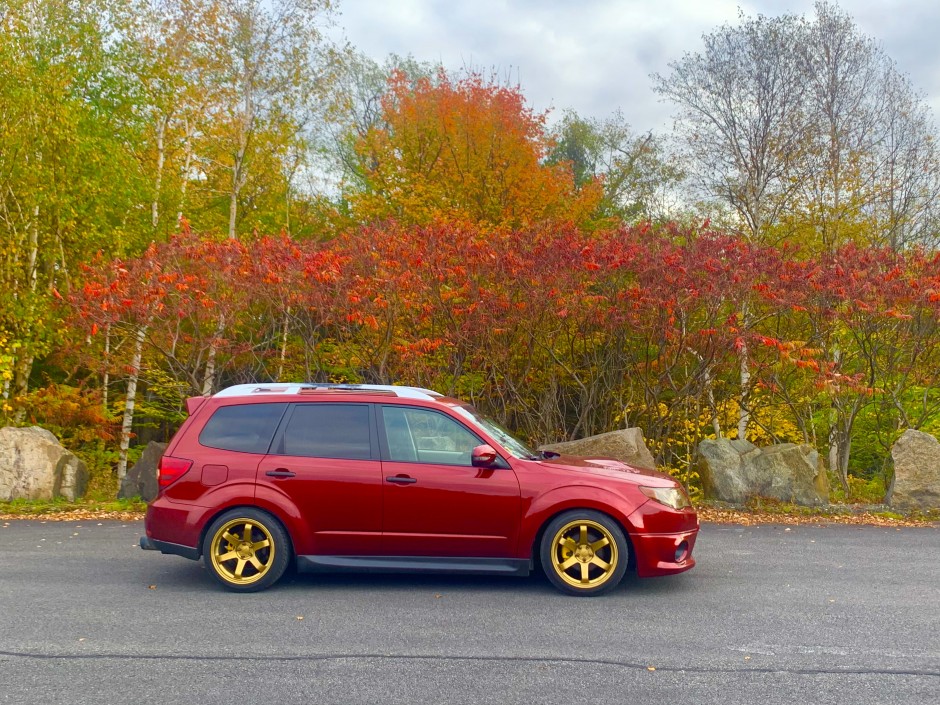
246	428
328	431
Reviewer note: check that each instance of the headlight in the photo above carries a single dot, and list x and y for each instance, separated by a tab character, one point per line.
674	497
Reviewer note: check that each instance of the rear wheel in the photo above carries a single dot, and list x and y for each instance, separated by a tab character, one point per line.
246	550
584	552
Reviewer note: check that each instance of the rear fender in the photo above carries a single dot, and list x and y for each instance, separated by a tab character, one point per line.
284	511
280	505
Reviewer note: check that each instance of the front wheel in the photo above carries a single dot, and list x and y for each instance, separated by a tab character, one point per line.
584	552
246	550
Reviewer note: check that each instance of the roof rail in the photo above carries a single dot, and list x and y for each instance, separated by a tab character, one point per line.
293	388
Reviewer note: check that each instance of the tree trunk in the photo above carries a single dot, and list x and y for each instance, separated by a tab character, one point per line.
106	377
744	416
158	182
283	357
187	165
208	381
238	168
834	457
710	391
238	180
232	208
34	249
129	403
21	372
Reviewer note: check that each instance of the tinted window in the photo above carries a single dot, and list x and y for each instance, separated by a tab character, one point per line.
247	428
328	431
420	435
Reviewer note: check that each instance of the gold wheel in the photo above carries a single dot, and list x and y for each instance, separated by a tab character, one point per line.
242	551
585	555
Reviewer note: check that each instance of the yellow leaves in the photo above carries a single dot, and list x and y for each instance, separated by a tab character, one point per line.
463	151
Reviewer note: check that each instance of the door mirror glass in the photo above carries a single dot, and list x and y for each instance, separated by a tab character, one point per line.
483	456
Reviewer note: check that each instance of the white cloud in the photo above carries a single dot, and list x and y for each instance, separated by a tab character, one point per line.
595	56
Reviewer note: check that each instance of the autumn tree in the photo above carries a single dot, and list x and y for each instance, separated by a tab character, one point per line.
173	51
69	181
355	106
638	178
272	60
466	149
740	117
808	131
871	170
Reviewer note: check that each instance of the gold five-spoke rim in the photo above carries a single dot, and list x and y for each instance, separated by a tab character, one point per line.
242	551
584	553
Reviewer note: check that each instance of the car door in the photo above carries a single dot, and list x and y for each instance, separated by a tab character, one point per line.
435	503
325	460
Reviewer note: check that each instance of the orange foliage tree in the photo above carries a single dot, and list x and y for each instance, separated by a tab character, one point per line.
467	150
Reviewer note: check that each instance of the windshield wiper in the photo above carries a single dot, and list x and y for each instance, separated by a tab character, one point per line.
543	455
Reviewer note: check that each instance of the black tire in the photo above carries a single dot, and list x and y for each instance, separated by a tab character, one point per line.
584	552
246	550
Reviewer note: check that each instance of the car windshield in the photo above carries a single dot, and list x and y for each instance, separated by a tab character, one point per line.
516	448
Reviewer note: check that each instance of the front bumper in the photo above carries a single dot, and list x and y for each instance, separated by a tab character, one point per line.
663	539
664	554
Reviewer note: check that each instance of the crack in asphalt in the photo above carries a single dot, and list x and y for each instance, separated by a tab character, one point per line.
485	659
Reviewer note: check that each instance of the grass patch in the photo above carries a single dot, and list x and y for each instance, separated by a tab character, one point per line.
24	508
861	491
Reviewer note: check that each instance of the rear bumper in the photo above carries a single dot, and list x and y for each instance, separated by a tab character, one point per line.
174	528
175	549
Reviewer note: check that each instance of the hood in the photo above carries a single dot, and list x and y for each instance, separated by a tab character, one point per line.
609	467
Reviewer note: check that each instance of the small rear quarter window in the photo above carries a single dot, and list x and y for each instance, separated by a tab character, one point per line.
245	428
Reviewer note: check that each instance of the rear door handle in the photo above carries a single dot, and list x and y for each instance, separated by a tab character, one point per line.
280	473
401	480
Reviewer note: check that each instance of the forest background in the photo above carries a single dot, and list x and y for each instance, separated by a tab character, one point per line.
197	193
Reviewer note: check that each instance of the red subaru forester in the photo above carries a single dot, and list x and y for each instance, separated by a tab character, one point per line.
399	479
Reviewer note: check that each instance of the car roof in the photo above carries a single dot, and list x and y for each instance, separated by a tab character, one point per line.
318	388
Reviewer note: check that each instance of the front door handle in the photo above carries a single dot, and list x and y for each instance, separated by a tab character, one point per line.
280	473
401	480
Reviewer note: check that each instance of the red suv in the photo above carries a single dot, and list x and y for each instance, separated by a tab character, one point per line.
386	478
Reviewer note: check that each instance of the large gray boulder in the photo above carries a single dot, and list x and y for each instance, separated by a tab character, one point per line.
141	478
626	445
34	465
737	470
916	483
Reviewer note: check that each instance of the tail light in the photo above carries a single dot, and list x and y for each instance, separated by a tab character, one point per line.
171	470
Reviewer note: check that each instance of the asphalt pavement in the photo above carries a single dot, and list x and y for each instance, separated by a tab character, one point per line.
771	614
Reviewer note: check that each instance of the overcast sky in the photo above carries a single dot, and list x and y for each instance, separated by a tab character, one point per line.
595	56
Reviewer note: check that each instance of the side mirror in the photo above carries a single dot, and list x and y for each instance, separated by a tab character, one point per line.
483	456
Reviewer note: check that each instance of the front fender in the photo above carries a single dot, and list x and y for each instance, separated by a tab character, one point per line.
561	499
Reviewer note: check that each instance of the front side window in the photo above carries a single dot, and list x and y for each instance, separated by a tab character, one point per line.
246	428
516	448
328	431
424	436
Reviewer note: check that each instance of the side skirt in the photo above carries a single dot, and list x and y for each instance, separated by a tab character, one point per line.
413	564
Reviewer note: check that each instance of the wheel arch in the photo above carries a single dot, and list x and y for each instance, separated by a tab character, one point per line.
549	506
211	519
534	546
